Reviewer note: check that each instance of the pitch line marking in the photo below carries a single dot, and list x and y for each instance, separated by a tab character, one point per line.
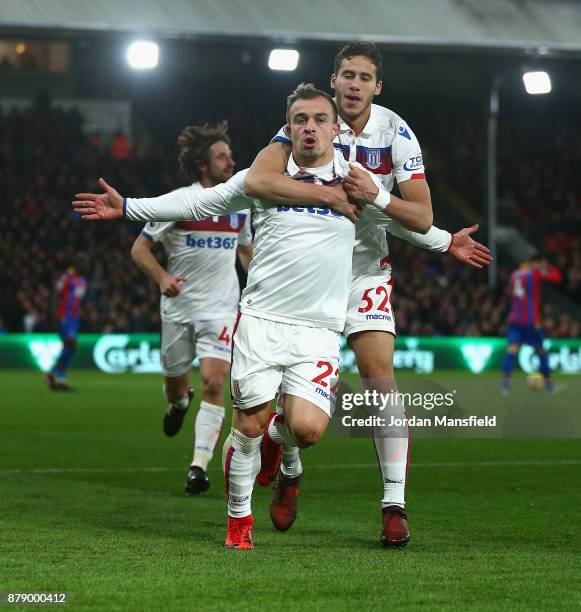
320	466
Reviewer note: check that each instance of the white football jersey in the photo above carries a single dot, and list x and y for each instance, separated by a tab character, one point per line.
389	150
205	253
301	269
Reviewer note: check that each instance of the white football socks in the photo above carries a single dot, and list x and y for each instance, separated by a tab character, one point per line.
291	465
392	454
241	463
207	430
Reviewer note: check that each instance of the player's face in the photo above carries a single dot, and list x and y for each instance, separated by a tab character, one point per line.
355	85
220	166
312	127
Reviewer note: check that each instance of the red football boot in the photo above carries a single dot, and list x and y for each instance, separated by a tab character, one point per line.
246	538
283	506
270	457
240	533
395	533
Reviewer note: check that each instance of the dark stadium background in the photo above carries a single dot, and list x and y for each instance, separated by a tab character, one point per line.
91	491
45	158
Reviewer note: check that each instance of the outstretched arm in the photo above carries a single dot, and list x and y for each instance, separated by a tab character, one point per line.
460	245
265	179
183	204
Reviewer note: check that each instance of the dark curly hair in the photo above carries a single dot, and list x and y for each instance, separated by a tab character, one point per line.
369	50
195	142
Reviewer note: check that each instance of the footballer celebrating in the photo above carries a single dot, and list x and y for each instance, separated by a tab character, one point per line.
373	138
199	295
293	308
295	303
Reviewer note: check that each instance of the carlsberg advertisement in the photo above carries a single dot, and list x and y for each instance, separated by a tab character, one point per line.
140	353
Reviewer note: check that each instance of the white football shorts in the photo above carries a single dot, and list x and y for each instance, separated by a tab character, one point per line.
269	357
369	306
181	342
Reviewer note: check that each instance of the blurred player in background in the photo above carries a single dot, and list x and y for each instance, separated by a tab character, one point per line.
524	318
381	142
71	288
199	295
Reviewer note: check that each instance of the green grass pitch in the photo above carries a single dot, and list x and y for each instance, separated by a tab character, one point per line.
92	503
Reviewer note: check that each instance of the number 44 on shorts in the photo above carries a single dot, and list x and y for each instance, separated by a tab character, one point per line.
224	336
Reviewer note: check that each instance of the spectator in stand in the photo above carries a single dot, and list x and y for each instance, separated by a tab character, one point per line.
120	147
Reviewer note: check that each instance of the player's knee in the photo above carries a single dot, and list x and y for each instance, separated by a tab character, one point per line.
308	434
379	371
213	385
308	438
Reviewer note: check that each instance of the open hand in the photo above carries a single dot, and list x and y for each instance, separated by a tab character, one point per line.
467	250
99	206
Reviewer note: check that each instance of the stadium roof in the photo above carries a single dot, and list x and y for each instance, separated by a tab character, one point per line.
511	24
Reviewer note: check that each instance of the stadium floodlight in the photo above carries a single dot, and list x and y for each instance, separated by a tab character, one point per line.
143	55
283	59
537	82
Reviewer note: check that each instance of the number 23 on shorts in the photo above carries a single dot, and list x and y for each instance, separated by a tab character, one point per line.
380	294
322	378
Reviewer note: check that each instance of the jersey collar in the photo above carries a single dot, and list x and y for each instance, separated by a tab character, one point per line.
295	171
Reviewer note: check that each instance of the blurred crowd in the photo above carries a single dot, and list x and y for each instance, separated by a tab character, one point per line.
539	192
45	158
